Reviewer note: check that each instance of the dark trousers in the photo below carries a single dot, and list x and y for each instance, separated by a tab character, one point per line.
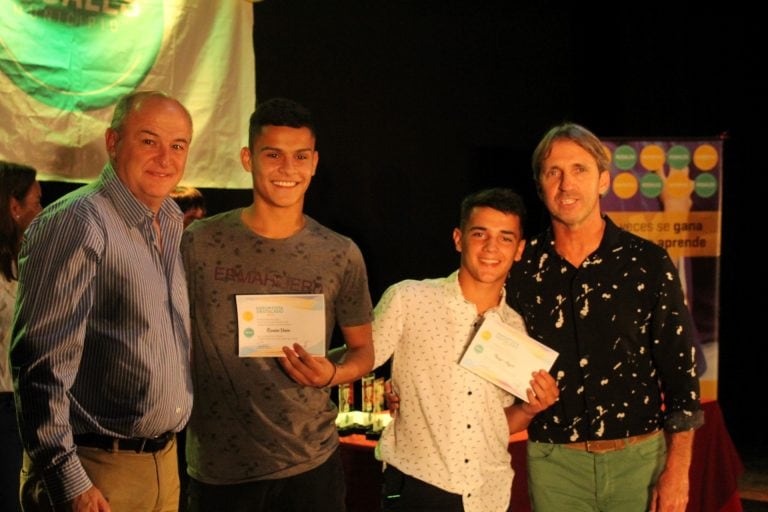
318	490
402	493
10	455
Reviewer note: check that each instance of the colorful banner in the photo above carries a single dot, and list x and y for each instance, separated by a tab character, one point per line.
670	192
64	64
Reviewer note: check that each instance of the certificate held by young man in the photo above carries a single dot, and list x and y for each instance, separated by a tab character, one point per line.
506	356
267	323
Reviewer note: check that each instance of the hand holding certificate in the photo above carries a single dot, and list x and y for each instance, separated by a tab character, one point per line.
267	323
506	357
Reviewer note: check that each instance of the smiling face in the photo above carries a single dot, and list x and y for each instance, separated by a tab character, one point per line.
283	162
570	185
490	243
150	151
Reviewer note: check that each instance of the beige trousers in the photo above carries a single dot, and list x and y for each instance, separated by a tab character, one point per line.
130	481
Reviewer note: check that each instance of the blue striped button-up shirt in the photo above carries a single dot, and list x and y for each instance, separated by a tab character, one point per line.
101	329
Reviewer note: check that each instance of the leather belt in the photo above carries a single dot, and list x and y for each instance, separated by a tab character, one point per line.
609	445
114	444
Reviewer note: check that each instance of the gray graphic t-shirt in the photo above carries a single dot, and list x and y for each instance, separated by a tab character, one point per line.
250	421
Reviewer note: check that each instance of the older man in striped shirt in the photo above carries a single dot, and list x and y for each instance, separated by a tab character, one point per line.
100	351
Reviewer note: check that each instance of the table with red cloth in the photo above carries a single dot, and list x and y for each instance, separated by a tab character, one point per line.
715	470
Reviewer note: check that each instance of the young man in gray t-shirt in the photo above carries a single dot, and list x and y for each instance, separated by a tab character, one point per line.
262	434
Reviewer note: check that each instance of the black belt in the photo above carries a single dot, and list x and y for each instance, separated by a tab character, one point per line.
135	444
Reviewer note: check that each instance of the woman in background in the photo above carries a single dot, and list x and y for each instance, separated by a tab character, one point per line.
19	203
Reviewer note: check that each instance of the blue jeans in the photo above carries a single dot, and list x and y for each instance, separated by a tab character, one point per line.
561	478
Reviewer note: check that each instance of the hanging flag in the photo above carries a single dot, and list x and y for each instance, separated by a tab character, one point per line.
65	63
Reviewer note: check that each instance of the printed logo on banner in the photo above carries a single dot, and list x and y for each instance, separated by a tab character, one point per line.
79	55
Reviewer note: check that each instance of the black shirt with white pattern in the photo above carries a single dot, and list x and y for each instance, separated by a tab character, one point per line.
624	335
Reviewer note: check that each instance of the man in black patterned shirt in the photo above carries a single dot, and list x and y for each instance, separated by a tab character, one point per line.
621	435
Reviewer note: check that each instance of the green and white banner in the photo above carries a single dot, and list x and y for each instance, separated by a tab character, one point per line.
64	64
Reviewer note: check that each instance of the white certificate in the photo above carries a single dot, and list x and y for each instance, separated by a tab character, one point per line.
267	323
506	356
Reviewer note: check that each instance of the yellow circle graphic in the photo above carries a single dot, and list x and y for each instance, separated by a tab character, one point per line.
485	335
705	157
678	184
652	157
248	316
625	185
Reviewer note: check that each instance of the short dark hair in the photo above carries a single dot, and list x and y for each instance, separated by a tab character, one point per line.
15	181
188	198
279	112
504	200
574	133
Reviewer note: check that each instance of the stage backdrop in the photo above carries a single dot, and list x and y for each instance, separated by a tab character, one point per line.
64	63
669	191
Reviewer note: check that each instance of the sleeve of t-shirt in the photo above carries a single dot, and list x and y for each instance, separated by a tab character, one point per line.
353	303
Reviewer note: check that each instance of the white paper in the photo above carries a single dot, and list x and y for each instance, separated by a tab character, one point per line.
506	356
267	323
